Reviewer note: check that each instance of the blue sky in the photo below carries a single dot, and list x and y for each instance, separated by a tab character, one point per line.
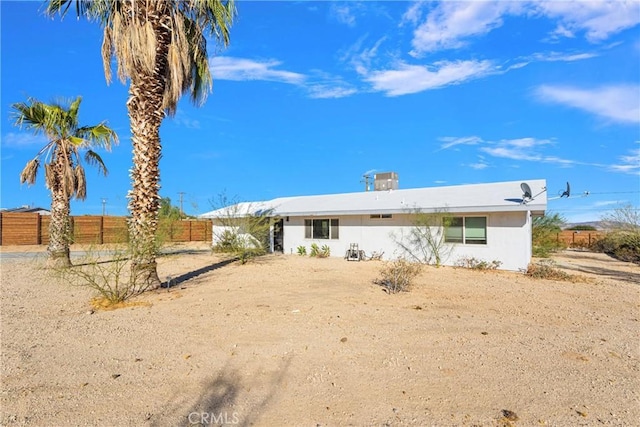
309	96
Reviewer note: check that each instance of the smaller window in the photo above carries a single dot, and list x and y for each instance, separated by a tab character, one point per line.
380	216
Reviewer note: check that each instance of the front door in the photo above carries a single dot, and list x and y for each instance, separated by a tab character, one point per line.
278	236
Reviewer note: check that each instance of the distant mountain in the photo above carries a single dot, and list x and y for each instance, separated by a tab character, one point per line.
598	225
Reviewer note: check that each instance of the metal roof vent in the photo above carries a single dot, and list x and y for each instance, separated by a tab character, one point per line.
385	181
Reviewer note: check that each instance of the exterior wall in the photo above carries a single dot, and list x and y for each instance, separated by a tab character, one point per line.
508	238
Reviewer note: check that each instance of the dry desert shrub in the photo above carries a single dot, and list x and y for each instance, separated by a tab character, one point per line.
547	269
397	276
478	264
108	272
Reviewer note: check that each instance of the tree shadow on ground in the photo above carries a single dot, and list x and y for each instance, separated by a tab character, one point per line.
623	276
177	280
219	400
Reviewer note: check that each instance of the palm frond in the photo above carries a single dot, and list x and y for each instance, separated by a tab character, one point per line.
49	178
107	52
94	159
97	136
80	183
30	172
69	181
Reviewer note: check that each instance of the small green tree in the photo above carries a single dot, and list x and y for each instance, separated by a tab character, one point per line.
622	240
168	220
241	229
425	241
544	234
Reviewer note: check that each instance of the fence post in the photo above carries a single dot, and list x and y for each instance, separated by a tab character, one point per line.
39	230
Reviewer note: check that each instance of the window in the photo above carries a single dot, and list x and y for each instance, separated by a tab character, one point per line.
380	216
321	229
471	230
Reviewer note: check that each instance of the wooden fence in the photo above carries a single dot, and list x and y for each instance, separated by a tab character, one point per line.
33	229
579	239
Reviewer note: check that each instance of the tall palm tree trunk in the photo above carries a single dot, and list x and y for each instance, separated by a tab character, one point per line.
59	225
146	112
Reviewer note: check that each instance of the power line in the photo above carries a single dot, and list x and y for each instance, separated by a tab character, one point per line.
614	192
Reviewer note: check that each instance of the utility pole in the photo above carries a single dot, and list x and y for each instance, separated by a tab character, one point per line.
104	203
181	193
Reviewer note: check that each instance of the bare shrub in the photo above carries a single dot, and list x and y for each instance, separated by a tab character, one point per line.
397	276
108	272
546	269
478	264
425	241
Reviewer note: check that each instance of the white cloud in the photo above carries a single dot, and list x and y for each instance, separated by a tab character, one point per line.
181	119
478	166
628	163
598	19
620	103
321	91
240	69
343	14
450	23
561	56
452	141
19	140
516	149
319	85
530	149
406	79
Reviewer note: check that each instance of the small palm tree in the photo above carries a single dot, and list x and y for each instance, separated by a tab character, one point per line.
63	170
160	47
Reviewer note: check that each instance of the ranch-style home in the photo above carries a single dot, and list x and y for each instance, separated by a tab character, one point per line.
486	222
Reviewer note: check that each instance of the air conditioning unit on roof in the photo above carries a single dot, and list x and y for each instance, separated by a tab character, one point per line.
385	181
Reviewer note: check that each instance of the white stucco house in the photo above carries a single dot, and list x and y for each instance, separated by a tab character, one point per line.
488	222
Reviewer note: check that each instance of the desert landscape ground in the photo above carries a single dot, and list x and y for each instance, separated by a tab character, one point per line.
296	341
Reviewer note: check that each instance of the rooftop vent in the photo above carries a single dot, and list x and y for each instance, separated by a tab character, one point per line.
385	181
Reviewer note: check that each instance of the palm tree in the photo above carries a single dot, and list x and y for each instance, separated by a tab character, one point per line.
161	49
64	174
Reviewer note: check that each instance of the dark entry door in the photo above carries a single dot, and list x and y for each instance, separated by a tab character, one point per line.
278	236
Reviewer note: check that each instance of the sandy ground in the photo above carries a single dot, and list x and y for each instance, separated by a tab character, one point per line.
296	341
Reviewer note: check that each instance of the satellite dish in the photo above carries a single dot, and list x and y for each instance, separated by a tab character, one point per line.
526	190
567	192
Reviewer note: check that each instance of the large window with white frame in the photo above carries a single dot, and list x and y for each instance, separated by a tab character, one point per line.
470	230
325	228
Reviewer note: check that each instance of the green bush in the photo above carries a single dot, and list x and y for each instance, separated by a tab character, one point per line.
302	250
319	252
315	249
545	231
325	251
621	244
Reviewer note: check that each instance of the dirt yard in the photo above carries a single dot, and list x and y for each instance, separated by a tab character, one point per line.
295	341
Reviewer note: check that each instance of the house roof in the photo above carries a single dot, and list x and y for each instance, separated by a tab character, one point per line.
488	197
26	209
